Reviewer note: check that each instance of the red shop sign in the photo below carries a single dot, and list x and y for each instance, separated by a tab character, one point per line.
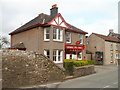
74	47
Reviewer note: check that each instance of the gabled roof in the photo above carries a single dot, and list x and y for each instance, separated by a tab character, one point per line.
107	38
42	20
112	34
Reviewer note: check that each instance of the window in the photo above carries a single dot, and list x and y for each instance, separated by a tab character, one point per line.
47	34
57	34
117	55
57	56
68	37
54	55
111	55
111	47
81	38
47	53
79	55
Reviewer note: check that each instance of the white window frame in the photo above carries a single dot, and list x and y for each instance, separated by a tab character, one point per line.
57	33
45	29
81	38
57	56
68	37
45	53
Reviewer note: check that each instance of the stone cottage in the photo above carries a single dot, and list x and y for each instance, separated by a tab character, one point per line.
52	36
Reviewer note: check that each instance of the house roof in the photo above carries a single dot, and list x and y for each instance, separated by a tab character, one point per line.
42	20
112	34
107	38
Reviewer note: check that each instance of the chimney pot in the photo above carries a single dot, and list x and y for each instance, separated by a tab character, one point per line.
55	5
54	10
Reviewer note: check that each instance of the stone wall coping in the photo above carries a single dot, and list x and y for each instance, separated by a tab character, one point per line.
84	66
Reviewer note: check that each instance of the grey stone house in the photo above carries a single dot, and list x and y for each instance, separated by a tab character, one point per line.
103	48
116	35
52	36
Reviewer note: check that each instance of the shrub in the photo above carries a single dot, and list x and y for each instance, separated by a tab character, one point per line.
69	67
78	63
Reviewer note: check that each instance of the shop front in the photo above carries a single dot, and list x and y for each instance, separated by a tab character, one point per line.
74	52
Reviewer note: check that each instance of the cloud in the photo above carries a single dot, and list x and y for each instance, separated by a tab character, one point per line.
80	13
101	26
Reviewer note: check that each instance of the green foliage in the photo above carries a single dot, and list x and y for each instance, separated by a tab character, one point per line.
3	41
69	67
78	63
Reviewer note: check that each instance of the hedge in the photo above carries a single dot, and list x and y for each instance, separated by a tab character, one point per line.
78	63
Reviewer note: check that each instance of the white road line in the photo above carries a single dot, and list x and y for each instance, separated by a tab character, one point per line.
106	86
0	79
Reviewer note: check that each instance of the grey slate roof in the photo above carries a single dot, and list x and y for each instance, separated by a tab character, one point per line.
42	19
107	38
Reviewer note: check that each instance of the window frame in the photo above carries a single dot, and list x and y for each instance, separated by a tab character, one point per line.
68	37
45	53
57	58
45	33
59	32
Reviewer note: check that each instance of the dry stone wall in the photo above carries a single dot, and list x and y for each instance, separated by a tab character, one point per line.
22	68
83	71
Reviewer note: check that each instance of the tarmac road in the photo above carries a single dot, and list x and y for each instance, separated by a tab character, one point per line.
106	77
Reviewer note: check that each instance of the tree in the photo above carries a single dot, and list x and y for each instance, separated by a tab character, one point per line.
3	42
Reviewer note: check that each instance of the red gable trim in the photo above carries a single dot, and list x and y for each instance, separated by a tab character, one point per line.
58	15
76	31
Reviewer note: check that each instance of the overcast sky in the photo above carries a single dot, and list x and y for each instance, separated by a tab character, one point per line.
96	16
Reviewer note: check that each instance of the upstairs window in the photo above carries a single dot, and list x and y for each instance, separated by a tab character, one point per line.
68	37
47	34
81	38
111	47
57	34
47	53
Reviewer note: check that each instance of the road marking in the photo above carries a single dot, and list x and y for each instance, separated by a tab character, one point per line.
0	79
106	86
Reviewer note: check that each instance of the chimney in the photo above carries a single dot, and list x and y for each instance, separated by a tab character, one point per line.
111	31
54	10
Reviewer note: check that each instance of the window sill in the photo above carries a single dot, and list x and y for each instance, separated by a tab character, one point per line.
46	40
68	42
58	40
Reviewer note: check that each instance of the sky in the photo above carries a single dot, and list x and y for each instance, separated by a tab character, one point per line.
92	16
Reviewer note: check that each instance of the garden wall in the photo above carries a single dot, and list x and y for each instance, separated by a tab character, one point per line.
21	68
83	70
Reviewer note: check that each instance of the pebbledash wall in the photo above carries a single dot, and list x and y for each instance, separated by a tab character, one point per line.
22	68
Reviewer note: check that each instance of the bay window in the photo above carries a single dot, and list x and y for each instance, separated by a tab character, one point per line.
47	34
57	34
68	37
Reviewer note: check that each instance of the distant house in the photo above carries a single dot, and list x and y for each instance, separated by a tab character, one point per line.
103	48
52	36
116	35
